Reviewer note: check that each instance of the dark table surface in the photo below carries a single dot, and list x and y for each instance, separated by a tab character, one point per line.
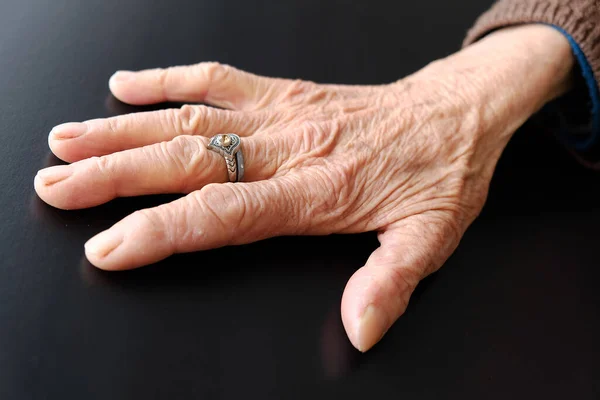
513	314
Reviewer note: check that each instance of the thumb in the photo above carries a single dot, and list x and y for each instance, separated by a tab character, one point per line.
378	293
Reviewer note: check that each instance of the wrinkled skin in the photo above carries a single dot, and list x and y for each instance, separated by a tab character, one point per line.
412	160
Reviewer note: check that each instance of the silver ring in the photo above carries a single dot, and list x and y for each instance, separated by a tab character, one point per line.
229	145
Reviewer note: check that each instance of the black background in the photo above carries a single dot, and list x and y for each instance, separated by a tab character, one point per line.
513	314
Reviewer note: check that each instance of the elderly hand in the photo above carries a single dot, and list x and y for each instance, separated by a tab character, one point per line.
411	160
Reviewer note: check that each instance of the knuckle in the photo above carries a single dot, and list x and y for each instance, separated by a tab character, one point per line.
164	76
183	145
105	165
113	124
215	72
186	232
194	119
184	149
297	88
185	154
150	218
225	207
188	118
226	197
152	221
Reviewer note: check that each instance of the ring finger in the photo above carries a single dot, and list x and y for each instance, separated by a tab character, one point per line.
181	165
77	141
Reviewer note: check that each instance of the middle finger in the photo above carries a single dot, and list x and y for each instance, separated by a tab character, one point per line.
77	141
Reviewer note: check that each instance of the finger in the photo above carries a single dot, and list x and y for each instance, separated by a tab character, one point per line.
76	141
214	216
378	293
210	82
178	166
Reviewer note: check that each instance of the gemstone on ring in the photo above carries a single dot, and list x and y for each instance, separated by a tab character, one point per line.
225	140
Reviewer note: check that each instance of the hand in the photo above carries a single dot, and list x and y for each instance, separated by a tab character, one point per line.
411	160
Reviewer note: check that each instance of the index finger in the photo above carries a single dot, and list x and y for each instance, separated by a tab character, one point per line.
210	82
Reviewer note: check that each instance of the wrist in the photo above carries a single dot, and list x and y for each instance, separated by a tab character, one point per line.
510	74
535	57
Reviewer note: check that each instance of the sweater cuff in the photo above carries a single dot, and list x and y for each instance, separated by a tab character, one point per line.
576	129
577	114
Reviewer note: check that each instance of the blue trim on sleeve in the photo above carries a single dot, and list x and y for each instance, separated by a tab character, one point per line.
584	143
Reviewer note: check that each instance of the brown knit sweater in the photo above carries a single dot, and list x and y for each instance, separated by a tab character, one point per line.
581	20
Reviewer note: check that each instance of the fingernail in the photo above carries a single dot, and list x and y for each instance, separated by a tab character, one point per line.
372	326
103	243
121	76
69	130
50	176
